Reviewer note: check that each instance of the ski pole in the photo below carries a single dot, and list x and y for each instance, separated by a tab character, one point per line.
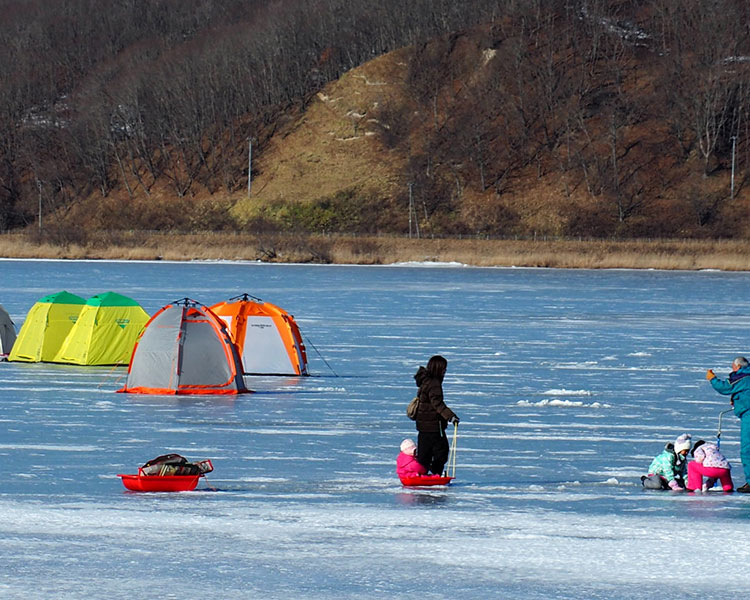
718	433
453	449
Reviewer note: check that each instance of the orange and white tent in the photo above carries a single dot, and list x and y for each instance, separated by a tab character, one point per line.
267	337
185	349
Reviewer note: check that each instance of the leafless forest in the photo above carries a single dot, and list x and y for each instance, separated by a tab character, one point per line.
637	110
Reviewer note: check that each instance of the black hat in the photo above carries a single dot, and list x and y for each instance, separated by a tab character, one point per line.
698	443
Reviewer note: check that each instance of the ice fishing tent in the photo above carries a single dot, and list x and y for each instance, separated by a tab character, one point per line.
185	349
267	337
47	325
7	333
105	332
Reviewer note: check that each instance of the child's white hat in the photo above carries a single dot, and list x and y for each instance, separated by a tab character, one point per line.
682	443
408	446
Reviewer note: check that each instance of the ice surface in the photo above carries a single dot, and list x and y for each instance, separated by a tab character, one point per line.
567	384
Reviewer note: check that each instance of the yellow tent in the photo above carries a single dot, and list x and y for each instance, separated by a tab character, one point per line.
46	326
105	333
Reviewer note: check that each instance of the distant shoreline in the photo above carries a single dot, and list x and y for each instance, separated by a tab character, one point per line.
688	255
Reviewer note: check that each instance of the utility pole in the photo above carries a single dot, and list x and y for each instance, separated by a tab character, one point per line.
39	187
249	165
411	206
734	143
416	219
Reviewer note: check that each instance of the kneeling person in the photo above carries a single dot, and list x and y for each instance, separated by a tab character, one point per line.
669	468
711	463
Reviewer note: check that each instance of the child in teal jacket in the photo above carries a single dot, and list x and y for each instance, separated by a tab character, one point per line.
669	468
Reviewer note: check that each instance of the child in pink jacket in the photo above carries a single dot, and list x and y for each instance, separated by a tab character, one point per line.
406	463
709	462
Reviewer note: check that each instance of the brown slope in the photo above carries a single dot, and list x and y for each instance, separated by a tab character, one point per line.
334	145
340	144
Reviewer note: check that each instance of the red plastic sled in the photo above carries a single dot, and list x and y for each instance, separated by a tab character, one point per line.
422	480
156	483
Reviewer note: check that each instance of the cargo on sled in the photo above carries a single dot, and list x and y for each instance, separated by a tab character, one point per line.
167	473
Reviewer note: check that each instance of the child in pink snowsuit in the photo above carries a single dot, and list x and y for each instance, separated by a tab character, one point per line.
711	463
406	463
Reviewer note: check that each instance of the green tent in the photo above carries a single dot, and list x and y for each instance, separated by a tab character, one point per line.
46	326
105	333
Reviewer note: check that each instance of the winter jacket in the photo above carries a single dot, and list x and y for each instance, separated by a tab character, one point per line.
738	387
407	465
709	455
433	415
668	464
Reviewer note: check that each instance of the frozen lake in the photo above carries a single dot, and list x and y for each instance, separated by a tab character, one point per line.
567	384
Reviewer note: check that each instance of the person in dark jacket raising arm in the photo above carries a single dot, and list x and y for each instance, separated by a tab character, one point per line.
433	416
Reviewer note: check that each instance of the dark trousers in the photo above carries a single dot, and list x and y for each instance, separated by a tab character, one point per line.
432	450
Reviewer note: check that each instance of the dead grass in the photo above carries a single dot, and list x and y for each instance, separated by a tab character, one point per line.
725	255
332	146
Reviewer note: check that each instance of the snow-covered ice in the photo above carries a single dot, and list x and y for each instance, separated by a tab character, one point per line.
567	384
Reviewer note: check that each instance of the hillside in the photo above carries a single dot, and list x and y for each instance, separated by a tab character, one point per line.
572	166
333	147
491	121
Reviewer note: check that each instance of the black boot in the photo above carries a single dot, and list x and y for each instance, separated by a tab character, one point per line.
745	489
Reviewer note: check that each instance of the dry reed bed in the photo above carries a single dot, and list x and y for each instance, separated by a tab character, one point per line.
725	255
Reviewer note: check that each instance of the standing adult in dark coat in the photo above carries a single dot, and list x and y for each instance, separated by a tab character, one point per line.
433	416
